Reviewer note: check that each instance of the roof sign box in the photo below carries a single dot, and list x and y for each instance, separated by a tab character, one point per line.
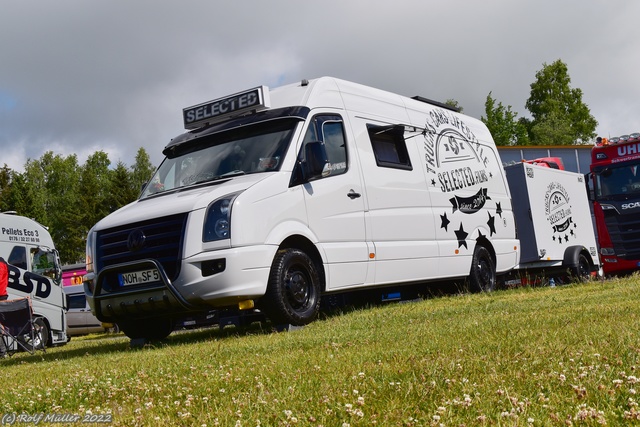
226	107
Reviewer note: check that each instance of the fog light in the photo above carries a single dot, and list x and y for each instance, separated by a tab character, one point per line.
246	304
214	266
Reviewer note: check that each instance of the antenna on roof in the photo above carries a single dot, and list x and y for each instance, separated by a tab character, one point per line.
436	103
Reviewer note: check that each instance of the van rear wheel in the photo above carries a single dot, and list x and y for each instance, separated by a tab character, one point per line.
482	276
293	290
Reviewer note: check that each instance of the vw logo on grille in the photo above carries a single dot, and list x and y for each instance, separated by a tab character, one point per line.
136	240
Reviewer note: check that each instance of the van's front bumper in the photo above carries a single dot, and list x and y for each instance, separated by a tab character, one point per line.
207	280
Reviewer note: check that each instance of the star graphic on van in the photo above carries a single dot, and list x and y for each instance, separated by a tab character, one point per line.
499	209
492	224
445	221
461	235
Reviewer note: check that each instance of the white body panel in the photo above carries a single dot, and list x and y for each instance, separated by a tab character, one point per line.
22	240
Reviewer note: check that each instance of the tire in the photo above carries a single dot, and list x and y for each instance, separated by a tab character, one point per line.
293	290
41	336
581	272
482	277
148	329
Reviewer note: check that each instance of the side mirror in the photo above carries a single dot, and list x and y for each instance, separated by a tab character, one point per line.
314	165
315	160
588	183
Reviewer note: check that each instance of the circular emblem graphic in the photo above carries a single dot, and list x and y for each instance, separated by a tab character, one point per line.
136	240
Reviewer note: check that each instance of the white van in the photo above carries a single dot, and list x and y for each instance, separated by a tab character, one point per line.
277	197
34	270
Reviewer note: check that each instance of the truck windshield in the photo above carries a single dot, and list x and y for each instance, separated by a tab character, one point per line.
249	149
618	181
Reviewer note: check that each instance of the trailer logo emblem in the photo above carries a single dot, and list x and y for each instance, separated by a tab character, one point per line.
136	240
558	212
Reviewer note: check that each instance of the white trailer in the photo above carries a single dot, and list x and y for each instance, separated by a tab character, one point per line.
34	271
553	220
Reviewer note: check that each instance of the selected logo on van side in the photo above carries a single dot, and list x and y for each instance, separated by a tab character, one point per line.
456	161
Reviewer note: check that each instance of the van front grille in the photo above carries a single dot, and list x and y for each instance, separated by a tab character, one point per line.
162	239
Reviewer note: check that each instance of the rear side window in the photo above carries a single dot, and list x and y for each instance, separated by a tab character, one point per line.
389	146
76	301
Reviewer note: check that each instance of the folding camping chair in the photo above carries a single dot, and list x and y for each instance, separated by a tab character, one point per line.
18	328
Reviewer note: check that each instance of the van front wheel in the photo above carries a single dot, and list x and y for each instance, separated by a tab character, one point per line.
293	290
483	270
149	329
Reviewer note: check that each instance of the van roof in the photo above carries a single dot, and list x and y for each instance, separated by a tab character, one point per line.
20	229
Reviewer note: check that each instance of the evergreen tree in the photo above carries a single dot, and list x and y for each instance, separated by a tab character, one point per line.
122	191
6	176
93	191
141	171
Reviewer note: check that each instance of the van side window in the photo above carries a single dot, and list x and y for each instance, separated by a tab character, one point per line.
329	129
389	147
18	257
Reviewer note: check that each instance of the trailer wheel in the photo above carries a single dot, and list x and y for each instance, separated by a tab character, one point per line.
582	271
150	329
293	290
482	276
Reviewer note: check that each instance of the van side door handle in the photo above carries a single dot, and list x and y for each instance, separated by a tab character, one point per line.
353	195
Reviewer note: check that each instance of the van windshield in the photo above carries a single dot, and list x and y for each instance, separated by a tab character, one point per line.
249	149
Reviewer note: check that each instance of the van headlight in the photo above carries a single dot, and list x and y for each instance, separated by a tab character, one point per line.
89	252
217	222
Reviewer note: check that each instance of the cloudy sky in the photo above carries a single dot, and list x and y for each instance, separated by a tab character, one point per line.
78	76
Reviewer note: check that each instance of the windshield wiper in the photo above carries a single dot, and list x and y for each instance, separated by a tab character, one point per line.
207	179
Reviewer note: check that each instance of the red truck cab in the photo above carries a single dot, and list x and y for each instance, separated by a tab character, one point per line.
616	201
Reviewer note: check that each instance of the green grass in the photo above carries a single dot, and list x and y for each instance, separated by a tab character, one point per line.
530	356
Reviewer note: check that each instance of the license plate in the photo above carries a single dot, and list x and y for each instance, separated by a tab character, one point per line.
139	277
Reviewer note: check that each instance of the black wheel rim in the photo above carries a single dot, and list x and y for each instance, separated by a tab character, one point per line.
297	284
485	274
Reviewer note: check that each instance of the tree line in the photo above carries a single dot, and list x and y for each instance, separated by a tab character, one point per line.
70	198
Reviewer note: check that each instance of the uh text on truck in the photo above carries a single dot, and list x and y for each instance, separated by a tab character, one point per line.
35	271
616	201
275	198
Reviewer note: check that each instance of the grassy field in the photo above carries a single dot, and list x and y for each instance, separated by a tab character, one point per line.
523	357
